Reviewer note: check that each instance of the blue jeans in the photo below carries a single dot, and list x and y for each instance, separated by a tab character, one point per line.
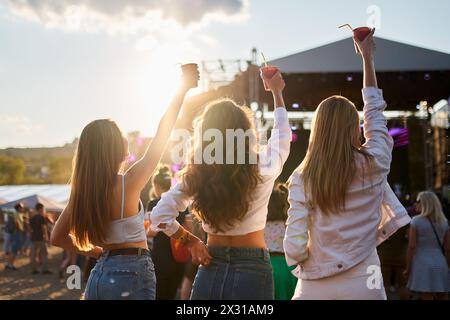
122	278
235	274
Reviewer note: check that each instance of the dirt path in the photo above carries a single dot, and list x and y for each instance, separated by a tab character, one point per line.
22	285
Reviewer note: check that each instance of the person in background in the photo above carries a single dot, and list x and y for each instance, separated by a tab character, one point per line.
39	239
284	280
9	230
169	272
341	206
26	247
428	256
14	227
191	269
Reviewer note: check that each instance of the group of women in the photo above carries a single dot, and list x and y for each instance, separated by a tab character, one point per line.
341	206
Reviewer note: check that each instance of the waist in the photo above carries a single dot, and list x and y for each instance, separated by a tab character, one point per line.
277	254
251	240
230	252
126	245
127	252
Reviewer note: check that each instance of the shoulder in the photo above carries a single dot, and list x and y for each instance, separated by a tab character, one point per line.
417	220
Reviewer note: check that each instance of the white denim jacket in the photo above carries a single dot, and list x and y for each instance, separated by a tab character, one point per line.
325	245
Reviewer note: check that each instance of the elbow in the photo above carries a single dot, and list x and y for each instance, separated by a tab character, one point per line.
55	239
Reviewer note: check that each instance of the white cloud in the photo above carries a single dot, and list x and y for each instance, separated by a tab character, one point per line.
126	15
17	126
208	40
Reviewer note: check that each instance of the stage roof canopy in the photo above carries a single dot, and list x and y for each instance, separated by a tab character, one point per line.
340	57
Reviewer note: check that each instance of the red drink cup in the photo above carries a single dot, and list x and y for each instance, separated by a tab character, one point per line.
361	34
269	72
190	70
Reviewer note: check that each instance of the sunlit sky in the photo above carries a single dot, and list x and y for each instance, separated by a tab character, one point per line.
64	63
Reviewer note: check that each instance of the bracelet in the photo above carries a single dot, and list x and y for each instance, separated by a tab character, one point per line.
185	238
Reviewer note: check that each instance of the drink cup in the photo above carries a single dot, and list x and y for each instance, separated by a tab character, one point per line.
189	70
268	72
361	34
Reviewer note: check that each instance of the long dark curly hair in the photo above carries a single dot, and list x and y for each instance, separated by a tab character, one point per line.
222	192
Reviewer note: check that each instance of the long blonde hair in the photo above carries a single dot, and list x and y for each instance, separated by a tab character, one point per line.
329	165
97	162
431	207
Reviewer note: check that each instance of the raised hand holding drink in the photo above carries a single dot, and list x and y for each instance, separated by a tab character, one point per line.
360	33
268	72
191	75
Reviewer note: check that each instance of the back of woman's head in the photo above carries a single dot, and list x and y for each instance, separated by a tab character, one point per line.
329	165
431	207
221	187
163	178
100	154
278	203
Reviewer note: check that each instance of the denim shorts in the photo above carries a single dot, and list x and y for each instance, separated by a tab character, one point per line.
235	274
16	242
122	278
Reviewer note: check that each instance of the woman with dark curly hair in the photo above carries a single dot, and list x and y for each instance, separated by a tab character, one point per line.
229	192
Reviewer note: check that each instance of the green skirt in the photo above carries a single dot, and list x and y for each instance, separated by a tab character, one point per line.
284	280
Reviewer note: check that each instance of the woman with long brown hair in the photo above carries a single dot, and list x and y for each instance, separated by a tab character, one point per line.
229	185
104	218
341	207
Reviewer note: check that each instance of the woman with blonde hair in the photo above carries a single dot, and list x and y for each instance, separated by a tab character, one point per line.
341	206
230	197
104	218
428	255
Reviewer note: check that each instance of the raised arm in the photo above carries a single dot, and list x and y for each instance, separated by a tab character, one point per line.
296	238
275	155
378	141
139	174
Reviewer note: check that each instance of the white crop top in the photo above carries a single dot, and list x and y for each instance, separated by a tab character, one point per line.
271	161
129	229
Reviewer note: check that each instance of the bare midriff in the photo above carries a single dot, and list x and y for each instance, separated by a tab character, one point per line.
142	244
251	240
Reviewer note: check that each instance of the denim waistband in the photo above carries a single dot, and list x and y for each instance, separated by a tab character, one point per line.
232	252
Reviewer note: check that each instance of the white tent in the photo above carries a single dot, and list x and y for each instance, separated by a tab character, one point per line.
58	193
31	201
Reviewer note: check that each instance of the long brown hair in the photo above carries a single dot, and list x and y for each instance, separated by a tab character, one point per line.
222	193
329	166
97	162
